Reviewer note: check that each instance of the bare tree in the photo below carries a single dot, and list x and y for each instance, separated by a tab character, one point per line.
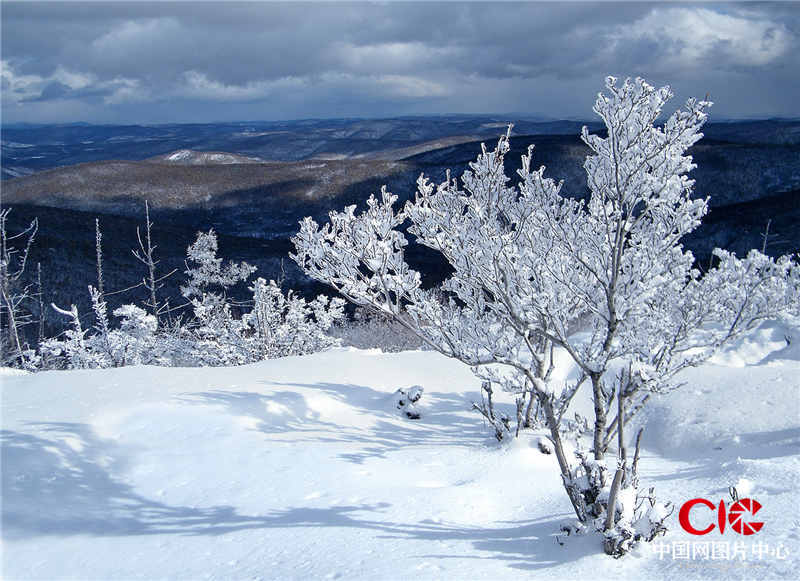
14	293
98	241
40	301
146	255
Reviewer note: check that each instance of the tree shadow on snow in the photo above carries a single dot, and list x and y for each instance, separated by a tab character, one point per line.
446	418
275	413
750	446
528	544
65	485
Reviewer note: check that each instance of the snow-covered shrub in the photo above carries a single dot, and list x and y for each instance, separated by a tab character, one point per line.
372	330
135	342
638	517
277	325
531	268
72	351
405	400
217	337
281	325
636	514
100	342
500	422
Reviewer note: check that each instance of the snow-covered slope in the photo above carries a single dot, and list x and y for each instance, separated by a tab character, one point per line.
301	468
192	157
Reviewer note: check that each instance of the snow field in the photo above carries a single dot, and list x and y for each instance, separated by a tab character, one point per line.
301	468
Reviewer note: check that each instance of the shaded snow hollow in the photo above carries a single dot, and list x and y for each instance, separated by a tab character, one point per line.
301	468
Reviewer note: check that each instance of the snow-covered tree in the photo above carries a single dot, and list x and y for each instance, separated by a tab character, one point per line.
218	333
484	232
101	341
649	312
206	272
605	280
15	293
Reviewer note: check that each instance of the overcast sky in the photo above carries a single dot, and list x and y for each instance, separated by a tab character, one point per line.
193	62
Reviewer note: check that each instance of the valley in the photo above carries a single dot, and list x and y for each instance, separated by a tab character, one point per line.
240	187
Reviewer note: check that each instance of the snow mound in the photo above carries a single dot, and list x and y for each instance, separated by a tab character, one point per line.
773	340
180	155
750	389
11	371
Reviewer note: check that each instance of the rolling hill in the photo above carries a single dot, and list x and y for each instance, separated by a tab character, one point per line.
751	171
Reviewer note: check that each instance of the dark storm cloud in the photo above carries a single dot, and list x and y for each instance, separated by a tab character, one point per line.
193	61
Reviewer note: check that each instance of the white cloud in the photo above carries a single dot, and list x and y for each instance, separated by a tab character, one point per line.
341	59
19	88
125	91
410	86
198	85
393	57
73	80
136	35
691	37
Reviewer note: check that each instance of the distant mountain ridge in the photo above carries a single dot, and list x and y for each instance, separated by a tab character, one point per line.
30	149
27	149
245	195
750	170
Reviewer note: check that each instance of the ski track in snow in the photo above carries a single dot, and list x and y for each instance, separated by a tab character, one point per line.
300	468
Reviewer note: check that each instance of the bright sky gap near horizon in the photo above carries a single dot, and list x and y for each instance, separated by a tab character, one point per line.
142	62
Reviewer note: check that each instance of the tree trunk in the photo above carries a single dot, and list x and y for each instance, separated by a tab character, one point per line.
623	453
574	495
529	411
612	499
13	330
600	418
